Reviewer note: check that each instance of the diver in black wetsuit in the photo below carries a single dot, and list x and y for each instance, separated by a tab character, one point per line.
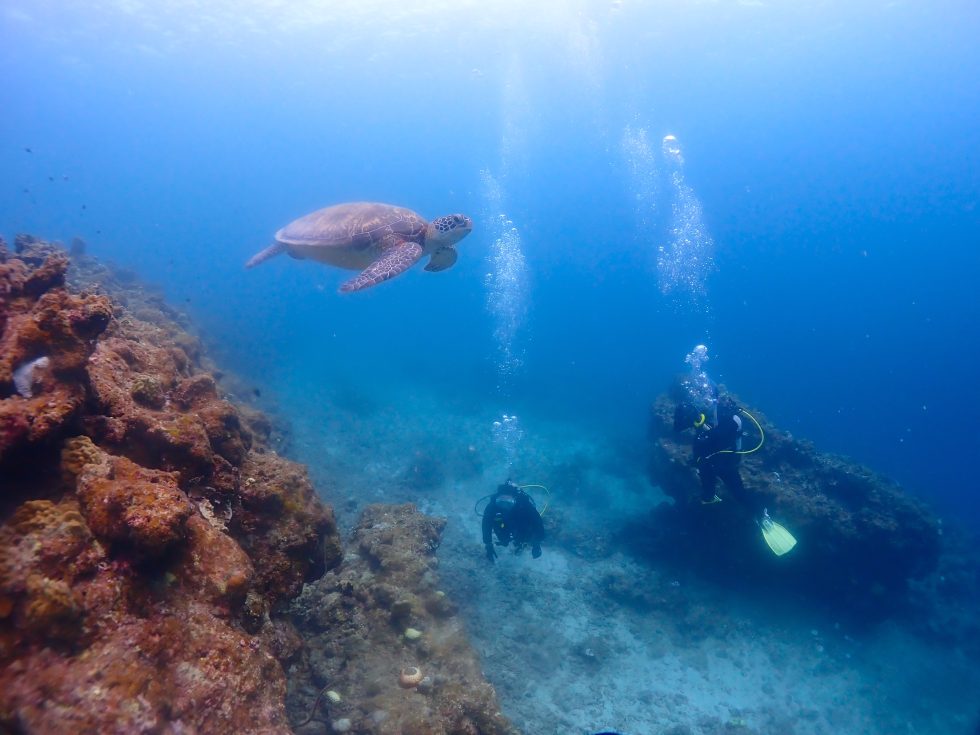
512	516
716	451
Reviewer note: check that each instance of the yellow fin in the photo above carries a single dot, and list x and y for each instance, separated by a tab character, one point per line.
779	539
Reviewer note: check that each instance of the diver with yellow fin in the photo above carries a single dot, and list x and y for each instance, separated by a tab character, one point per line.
717	452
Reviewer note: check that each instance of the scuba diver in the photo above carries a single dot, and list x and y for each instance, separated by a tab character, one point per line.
512	516
717	452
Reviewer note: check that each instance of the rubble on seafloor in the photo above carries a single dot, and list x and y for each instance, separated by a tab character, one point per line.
150	538
862	538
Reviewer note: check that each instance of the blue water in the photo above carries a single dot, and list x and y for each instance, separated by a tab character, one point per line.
814	222
833	148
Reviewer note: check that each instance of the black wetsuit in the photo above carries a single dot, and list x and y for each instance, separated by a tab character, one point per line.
713	462
519	521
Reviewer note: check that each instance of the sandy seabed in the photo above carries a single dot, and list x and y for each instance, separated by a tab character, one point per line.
588	638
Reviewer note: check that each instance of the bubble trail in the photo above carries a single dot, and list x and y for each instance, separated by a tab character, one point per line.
507	301
700	387
683	265
641	160
506	284
508	434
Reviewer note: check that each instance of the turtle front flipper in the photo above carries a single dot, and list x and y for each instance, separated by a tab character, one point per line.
441	259
395	260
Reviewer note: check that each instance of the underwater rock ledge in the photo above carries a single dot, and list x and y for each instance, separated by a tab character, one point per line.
149	537
385	640
862	538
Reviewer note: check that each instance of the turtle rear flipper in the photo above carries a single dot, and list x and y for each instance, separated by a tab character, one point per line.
396	260
441	259
270	252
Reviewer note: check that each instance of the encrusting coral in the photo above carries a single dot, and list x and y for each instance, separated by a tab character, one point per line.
42	323
147	537
125	504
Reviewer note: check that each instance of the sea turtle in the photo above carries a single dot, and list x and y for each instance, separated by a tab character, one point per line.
380	240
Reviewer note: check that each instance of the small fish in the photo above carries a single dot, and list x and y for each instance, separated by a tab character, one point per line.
257	392
51	178
28	150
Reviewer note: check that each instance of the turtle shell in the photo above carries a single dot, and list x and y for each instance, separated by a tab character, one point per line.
357	225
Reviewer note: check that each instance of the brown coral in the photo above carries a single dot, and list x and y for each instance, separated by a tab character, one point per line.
47	538
51	609
214	566
284	527
125	503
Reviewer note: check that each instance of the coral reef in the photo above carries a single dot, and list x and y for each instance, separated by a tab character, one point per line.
148	534
280	521
360	619
42	324
124	504
861	537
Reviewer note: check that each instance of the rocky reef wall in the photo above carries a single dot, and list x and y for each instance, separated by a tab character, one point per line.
149	537
862	538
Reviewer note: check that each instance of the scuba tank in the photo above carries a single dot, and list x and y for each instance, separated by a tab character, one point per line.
728	409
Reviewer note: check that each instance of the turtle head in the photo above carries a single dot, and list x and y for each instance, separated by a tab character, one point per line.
448	230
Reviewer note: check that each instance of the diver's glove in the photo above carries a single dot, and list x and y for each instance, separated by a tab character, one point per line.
536	551
491	554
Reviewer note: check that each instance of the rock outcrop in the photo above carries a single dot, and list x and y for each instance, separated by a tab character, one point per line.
862	538
386	641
